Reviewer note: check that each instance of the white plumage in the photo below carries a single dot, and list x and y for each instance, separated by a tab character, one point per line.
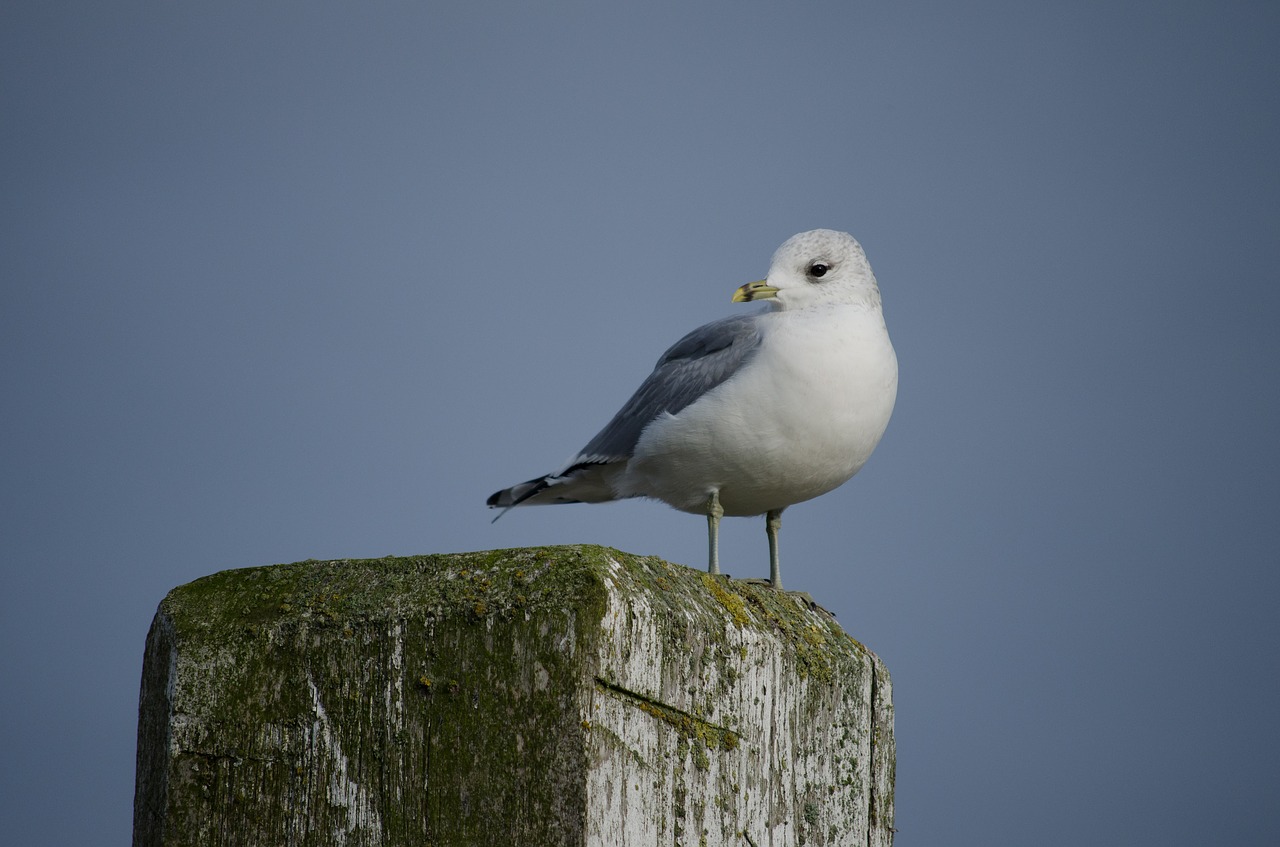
753	413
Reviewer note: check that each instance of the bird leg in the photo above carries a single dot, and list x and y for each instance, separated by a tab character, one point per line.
714	513
772	523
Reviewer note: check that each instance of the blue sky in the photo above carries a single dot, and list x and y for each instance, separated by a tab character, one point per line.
288	281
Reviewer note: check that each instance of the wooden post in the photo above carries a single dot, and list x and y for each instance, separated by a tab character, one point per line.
552	696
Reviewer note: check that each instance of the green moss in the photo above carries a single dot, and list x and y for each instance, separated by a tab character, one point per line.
732	603
438	678
488	657
708	736
482	585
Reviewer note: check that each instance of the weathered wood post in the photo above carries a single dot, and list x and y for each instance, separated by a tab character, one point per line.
553	696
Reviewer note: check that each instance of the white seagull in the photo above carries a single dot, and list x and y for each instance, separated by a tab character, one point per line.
752	413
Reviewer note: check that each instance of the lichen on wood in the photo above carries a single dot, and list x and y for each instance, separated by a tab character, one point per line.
570	695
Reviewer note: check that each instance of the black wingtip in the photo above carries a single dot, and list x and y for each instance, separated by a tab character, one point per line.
506	498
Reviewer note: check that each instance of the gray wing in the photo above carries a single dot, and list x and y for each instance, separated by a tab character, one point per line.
692	366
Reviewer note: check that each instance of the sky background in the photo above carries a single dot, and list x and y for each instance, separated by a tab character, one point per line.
310	280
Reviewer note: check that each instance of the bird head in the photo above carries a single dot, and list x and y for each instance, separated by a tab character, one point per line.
816	268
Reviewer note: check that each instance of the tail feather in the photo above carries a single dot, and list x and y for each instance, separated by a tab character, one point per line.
587	482
511	497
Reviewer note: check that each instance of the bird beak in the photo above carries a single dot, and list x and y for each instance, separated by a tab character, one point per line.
760	290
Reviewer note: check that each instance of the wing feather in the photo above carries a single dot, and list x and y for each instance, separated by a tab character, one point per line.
690	368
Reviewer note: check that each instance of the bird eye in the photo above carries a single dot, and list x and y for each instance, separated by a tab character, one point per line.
819	269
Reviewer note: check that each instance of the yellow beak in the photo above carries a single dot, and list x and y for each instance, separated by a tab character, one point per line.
760	290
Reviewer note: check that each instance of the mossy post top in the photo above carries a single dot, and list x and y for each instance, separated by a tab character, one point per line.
497	584
568	695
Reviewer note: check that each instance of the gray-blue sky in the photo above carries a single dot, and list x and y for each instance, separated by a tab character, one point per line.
288	281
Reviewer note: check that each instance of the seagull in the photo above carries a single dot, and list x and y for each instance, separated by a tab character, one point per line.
752	413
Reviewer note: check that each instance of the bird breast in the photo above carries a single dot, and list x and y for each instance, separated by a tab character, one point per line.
829	388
